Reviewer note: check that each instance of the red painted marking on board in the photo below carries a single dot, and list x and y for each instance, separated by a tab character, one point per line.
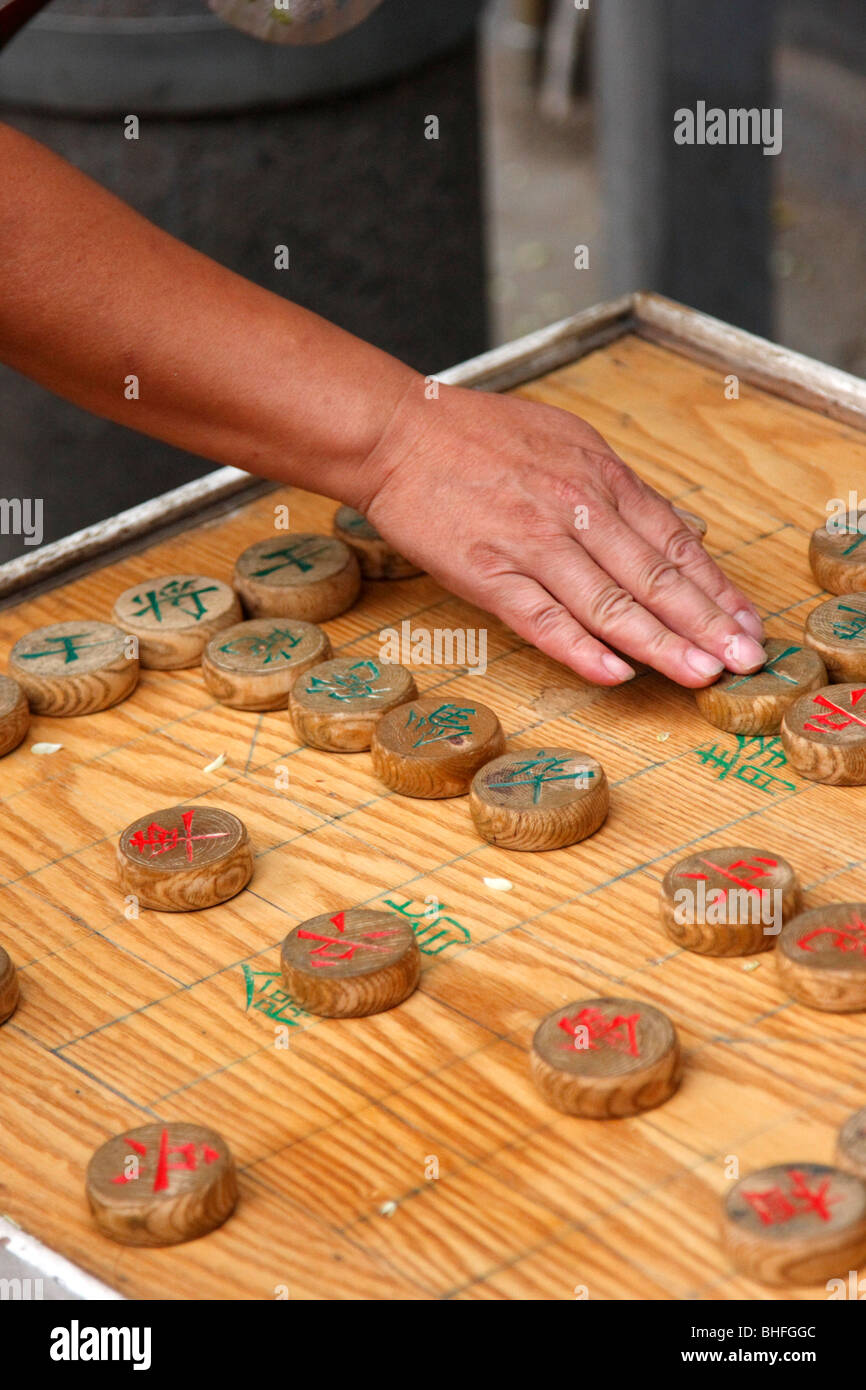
775	1207
824	722
601	1029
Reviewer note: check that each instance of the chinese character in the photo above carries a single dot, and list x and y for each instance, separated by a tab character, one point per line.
854	626
851	937
355	683
299	554
768	670
758	753
159	840
175	593
619	1032
824	723
448	721
537	771
275	645
269	999
753	867
163	1167
424	926
774	1207
69	646
366	941
851	548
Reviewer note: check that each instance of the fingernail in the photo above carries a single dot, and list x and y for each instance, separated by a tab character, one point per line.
751	622
618	669
745	654
703	663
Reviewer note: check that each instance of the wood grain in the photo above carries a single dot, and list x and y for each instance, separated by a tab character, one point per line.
9	989
174	616
432	748
824	735
756	704
14	715
183	858
729	900
796	1223
836	630
74	668
337	704
543	798
124	1022
822	957
299	575
254	665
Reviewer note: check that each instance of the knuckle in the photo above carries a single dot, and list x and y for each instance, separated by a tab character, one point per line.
614	474
657	577
610	606
489	559
684	548
546	620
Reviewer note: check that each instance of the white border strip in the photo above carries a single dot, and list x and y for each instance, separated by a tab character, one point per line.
52	1265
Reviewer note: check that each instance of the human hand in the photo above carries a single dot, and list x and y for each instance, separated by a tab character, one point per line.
486	493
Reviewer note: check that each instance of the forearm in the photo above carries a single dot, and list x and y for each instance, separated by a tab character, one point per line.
92	294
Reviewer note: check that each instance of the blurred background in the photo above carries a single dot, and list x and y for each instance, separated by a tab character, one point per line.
555	130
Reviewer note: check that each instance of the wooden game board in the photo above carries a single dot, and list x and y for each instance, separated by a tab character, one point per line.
173	1016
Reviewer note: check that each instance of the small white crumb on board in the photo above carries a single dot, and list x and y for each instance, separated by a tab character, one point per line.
499	885
43	749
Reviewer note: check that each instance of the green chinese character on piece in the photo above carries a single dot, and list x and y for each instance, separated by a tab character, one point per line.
854	627
355	683
275	645
859	541
175	593
448	721
68	647
768	669
538	771
299	553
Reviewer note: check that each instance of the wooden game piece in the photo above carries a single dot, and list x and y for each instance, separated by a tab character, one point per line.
338	703
822	957
254	665
432	747
851	1144
350	964
692	519
728	901
185	858
755	704
14	714
302	576
174	616
541	799
605	1058
375	556
838	557
162	1183
8	987
74	668
824	735
836	630
795	1223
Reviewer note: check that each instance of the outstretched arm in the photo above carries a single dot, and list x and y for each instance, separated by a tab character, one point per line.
479	489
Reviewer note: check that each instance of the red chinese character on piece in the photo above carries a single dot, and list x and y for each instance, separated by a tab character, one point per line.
619	1032
774	1207
163	1167
824	723
851	937
326	957
159	840
752	866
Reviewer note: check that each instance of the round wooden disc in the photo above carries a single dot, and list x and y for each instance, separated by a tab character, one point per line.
254	665
14	714
174	616
184	858
822	957
837	632
74	668
851	1145
838	558
605	1058
544	798
161	1184
350	964
692	519
433	748
8	987
375	556
300	22
728	901
299	576
755	704
338	703
796	1223
824	735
